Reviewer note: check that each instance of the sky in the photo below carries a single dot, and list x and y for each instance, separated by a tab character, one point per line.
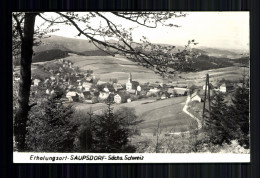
225	30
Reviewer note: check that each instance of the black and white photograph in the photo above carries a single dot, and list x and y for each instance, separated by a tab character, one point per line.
131	87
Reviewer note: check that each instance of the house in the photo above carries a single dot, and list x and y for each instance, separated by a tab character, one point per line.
105	89
117	86
153	85
226	87
72	96
52	78
201	93
121	97
142	93
103	96
138	88
117	98
52	92
48	91
129	100
87	86
131	91
180	91
87	95
195	97
223	88
36	82
81	95
79	82
75	98
146	88
165	95
170	91
80	88
210	86
101	82
154	90
89	79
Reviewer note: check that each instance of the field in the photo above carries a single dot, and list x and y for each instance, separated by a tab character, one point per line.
169	111
106	67
233	73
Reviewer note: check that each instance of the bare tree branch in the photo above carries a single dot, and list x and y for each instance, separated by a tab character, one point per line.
18	26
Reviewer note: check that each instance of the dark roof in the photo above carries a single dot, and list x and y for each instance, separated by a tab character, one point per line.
86	93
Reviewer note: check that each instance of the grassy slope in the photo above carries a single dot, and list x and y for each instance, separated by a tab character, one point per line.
107	67
168	111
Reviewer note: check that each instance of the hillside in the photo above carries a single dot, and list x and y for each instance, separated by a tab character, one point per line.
205	62
49	55
220	53
64	44
56	47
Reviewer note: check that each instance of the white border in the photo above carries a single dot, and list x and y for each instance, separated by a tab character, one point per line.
142	158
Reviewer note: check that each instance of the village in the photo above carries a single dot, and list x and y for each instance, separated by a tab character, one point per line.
76	86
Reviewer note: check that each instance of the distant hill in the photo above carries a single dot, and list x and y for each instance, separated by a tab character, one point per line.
64	44
49	55
56	47
220	53
205	62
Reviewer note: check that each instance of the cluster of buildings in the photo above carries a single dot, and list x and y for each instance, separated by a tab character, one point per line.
198	95
84	87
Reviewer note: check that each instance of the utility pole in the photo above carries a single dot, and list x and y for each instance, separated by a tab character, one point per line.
206	98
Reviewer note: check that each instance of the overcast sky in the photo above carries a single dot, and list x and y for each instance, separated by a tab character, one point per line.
210	29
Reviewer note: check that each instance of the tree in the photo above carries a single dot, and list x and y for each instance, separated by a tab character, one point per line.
158	60
111	135
130	119
219	125
240	113
50	128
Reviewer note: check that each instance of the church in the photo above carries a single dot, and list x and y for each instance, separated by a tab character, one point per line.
131	85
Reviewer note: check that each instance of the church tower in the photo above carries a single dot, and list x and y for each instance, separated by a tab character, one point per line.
129	82
130	78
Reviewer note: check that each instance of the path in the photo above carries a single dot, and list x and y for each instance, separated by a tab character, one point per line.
191	115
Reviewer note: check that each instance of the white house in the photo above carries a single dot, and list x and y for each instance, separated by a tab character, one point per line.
138	88
154	90
117	98
195	97
36	82
106	89
223	88
129	100
103	95
180	91
48	91
70	94
52	78
52	92
101	82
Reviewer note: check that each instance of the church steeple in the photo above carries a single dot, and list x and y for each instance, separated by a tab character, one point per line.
130	77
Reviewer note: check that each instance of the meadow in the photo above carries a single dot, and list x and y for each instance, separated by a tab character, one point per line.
168	112
107	67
